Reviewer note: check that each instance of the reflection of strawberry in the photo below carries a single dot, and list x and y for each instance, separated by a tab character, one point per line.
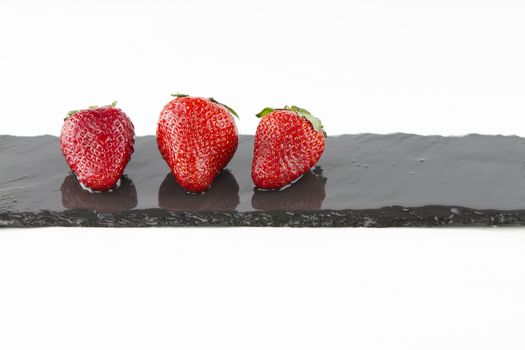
307	193
197	137
223	195
288	142
121	199
97	144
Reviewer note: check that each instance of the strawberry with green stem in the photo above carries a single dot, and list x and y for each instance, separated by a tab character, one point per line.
97	144
288	142
197	137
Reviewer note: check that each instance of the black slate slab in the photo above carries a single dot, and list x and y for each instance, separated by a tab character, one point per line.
361	180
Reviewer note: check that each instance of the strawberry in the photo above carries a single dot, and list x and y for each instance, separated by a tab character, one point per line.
97	144
288	142
197	137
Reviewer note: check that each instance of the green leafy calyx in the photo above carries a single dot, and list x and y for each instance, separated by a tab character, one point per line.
228	108
264	112
316	122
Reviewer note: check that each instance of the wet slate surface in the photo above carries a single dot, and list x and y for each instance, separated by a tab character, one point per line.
361	180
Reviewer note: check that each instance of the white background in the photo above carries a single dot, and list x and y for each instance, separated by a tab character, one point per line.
428	67
445	67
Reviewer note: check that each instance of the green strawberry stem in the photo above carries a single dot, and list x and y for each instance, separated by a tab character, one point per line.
228	108
316	122
73	112
264	112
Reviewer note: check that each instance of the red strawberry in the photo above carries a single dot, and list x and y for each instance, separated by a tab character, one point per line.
197	137
97	143
288	142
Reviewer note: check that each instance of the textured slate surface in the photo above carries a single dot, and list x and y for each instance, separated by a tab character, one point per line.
361	180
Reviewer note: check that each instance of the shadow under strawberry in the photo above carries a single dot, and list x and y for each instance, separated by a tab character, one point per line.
121	199
307	193
223	195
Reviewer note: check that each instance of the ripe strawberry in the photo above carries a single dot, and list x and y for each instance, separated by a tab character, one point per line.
197	137
97	143
288	142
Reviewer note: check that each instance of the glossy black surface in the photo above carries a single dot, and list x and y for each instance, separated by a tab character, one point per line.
361	180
